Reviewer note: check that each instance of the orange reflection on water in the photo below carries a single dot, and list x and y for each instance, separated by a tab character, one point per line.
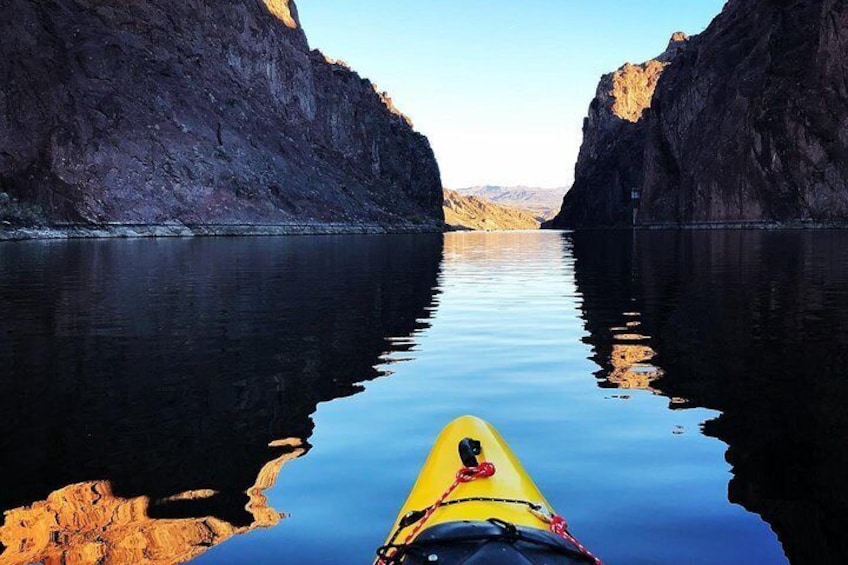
630	367
86	524
630	357
510	249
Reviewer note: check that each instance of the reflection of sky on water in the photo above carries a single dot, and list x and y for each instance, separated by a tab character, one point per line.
506	344
171	367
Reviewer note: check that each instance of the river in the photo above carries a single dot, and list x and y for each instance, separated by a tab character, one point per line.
678	396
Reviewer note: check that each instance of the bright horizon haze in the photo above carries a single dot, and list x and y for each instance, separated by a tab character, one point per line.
500	88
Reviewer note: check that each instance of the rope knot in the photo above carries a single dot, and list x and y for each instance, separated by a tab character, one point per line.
481	471
558	525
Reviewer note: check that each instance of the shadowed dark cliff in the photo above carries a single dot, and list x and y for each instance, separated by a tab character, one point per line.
170	367
748	124
609	165
753	324
200	113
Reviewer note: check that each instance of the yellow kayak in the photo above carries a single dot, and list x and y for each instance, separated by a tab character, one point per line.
473	503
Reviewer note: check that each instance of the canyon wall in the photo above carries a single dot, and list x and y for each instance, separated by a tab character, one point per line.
200	113
748	124
609	164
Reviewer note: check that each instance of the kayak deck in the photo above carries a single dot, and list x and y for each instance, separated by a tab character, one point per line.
510	481
473	502
490	543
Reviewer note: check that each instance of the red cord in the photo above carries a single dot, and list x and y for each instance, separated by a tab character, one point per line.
464	475
560	527
484	470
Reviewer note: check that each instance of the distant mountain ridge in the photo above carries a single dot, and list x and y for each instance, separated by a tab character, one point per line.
474	213
543	203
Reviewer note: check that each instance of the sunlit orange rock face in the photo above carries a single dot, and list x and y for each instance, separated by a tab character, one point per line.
474	213
282	10
86	523
633	87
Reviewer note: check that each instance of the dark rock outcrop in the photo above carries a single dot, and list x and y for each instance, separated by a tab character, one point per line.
198	112
749	124
609	165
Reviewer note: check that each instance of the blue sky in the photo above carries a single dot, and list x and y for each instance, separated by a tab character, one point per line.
500	87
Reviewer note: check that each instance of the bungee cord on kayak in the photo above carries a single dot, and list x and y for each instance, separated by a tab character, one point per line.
464	475
468	538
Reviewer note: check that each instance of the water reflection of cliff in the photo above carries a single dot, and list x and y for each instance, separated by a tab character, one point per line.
149	388
754	324
616	328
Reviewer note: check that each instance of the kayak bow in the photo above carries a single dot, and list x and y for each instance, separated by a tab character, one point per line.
473	502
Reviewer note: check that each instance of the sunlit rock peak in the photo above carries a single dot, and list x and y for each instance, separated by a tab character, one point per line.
282	9
678	39
631	88
609	164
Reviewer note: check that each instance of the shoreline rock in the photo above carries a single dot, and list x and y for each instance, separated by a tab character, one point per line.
126	231
701	226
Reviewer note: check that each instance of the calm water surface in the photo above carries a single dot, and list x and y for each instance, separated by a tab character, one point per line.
678	396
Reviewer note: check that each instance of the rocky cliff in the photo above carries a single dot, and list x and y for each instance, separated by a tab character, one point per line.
475	213
609	164
200	113
747	125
